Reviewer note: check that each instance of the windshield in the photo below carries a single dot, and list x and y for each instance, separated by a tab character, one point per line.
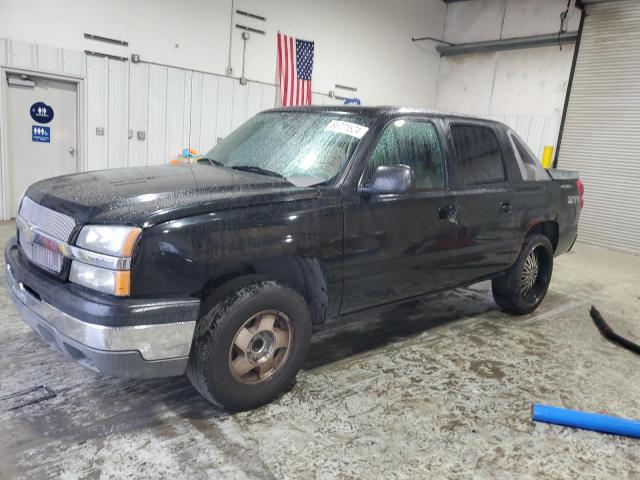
306	148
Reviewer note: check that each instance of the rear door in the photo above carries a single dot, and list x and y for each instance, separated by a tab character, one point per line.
396	245
484	201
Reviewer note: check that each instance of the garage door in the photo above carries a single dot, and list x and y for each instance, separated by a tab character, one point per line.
601	136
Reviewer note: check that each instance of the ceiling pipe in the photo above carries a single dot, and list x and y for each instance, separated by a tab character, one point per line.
507	44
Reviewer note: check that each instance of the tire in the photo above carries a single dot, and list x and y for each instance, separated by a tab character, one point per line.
518	290
243	319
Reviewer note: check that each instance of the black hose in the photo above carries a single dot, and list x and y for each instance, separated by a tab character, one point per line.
609	334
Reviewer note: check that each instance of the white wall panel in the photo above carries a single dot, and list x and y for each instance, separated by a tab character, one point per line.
3	52
22	54
175	112
49	59
534	139
225	106
269	96
481	21
200	28
320	99
118	113
74	63
523	88
495	19
138	113
523	123
196	112
186	117
157	116
209	112
531	82
465	84
239	108
3	60
97	112
254	99
525	17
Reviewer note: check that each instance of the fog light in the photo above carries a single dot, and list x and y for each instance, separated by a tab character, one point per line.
114	282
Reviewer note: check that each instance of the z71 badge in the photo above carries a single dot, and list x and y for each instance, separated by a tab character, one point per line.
573	199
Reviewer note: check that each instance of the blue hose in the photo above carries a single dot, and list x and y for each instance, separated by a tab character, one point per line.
585	420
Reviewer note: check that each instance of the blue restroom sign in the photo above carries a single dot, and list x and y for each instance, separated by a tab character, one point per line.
40	134
41	112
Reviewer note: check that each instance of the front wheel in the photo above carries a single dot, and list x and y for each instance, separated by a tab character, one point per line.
248	349
521	289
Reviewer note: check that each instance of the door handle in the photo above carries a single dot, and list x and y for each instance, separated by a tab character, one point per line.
448	212
505	207
72	151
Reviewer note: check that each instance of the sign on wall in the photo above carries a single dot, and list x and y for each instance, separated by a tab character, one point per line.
40	134
41	112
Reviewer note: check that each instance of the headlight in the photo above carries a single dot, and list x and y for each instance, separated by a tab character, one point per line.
114	282
109	239
88	269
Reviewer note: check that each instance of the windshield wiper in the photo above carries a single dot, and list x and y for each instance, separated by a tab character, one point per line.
211	161
246	168
255	169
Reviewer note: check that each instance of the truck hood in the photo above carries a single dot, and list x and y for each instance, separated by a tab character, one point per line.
148	195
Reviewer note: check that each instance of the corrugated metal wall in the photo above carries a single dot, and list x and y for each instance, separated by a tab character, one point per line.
601	137
174	108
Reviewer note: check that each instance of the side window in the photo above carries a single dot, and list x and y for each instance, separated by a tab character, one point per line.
412	143
530	168
478	159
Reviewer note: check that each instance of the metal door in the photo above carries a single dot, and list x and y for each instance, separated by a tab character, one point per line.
42	125
601	134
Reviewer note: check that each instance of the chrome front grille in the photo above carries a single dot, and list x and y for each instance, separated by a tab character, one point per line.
34	217
48	221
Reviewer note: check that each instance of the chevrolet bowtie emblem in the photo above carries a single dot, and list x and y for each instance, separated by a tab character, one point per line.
29	233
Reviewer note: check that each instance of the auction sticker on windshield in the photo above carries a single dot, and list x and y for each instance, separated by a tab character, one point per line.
348	128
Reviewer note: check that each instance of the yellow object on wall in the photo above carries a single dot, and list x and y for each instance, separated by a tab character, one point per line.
547	156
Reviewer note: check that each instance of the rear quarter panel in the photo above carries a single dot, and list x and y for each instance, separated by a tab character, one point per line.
542	201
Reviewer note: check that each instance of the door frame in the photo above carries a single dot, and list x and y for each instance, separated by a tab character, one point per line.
81	158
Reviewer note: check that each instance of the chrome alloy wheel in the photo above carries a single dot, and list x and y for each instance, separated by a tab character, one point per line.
261	347
530	273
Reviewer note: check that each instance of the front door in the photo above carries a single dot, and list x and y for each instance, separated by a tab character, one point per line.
397	245
41	131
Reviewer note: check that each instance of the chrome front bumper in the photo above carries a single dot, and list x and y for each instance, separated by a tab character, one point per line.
142	351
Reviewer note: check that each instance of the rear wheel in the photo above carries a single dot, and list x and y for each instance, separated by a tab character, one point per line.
250	346
524	286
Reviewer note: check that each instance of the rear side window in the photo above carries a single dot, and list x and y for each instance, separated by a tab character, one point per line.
478	158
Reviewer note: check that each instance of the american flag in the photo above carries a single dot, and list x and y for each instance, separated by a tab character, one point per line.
295	66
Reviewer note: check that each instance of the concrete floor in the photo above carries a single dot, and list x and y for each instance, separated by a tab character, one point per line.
438	387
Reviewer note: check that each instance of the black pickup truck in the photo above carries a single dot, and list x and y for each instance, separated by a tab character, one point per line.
222	268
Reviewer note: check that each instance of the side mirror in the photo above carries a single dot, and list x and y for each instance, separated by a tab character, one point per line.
391	179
